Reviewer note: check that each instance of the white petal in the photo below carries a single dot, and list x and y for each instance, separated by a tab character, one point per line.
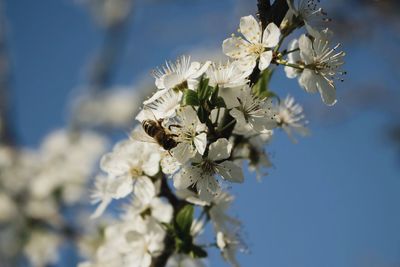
183	152
113	165
230	96
121	186
235	47
307	81
173	79
200	141
271	35
101	208
186	177
327	91
151	165
250	29
144	189
220	149
161	210
239	117
230	171
306	49
265	60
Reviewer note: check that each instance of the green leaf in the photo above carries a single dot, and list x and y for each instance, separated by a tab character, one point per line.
190	98
184	219
262	85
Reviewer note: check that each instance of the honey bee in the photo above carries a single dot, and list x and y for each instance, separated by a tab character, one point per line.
154	129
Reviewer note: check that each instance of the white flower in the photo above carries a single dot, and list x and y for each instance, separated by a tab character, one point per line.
229	78
228	244
179	75
256	46
41	249
308	12
191	135
111	108
182	260
147	204
219	206
8	208
290	117
143	243
255	112
127	167
201	172
321	67
163	104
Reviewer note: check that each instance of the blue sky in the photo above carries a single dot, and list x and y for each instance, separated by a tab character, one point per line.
330	200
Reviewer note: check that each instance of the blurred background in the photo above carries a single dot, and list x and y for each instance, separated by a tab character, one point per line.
330	200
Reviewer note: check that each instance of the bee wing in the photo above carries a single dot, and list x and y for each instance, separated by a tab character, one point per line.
146	114
140	135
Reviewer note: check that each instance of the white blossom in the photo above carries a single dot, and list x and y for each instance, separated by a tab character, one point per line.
322	64
182	260
307	12
254	112
41	248
179	75
229	245
257	44
190	134
229	78
290	117
201	172
127	167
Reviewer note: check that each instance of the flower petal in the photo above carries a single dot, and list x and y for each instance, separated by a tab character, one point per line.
200	142
144	189
235	47
265	60
306	49
250	29
308	82
271	35
220	149
327	91
187	176
230	171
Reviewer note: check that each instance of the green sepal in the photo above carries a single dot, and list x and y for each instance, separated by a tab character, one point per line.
184	219
262	86
190	98
198	252
202	114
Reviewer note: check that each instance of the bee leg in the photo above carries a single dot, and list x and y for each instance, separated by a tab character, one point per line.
174	125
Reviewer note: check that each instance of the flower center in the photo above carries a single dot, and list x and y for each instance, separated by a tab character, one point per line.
256	49
135	172
208	166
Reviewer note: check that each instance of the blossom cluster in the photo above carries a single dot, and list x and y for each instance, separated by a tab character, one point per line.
34	185
197	132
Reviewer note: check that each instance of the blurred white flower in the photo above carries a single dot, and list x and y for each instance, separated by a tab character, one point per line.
229	245
112	108
290	117
8	208
182	260
41	248
109	13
